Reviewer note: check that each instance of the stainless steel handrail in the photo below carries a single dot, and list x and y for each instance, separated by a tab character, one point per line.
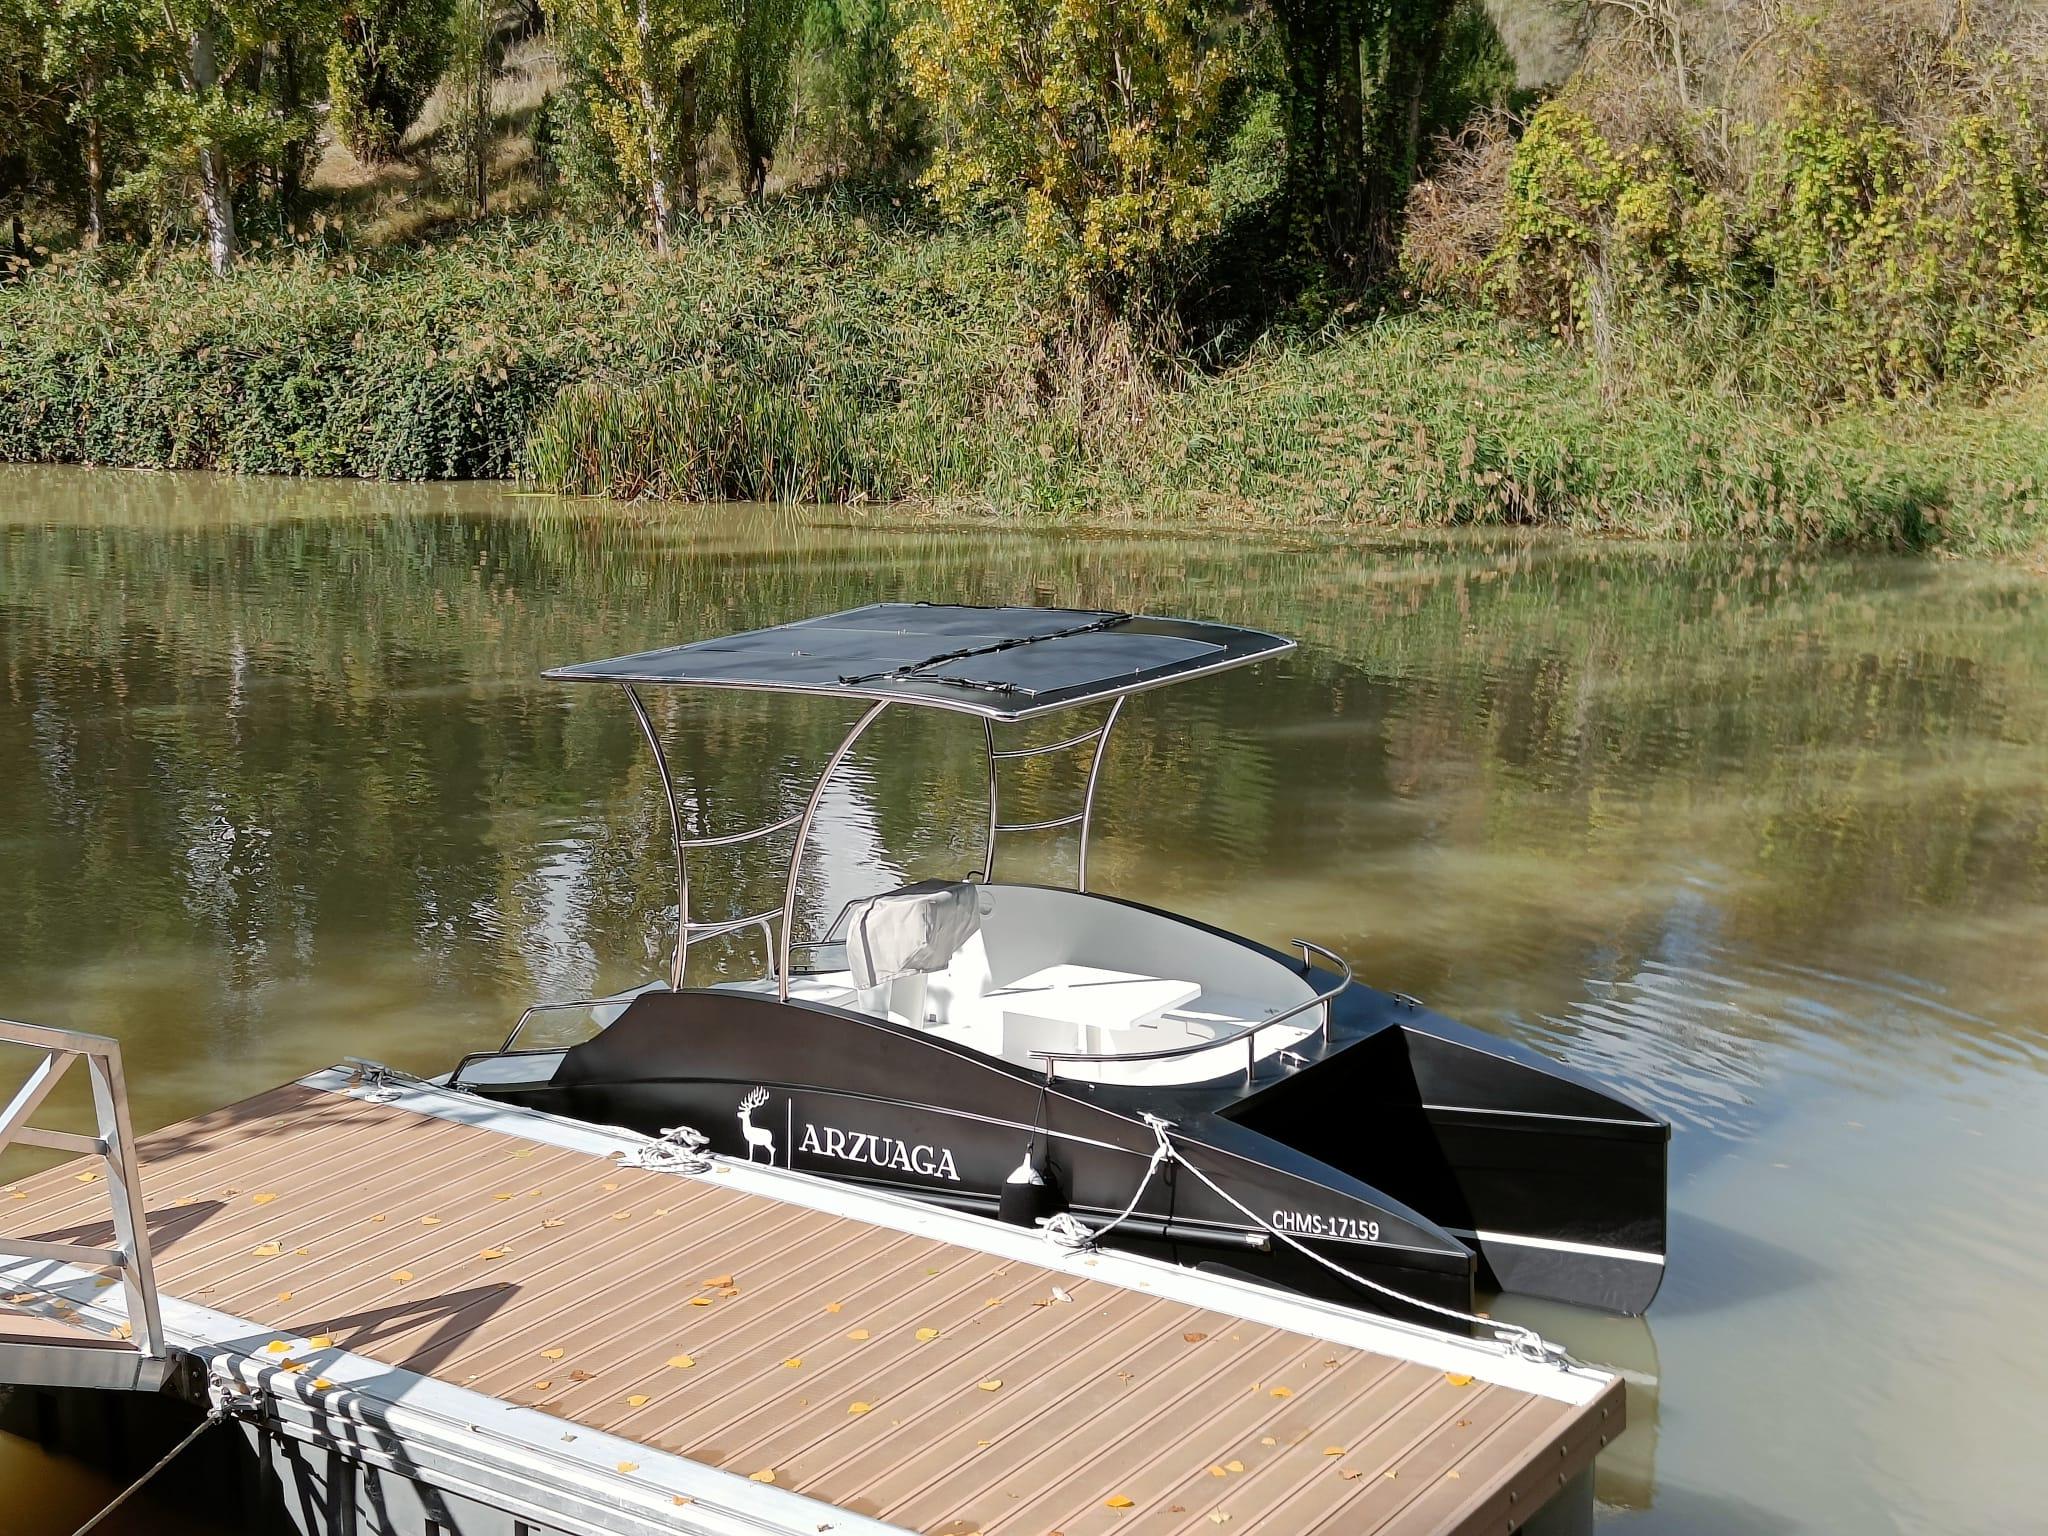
752	834
1051	746
759	920
689	932
1083	818
1248	1034
1039	826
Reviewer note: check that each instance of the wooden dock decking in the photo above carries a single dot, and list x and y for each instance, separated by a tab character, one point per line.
905	1365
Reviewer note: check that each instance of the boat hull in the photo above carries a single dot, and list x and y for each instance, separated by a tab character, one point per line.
923	1117
1395	1145
1557	1182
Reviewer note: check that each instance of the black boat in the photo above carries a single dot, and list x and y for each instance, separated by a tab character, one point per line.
1115	1071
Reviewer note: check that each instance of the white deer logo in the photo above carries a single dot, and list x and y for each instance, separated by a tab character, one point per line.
756	1137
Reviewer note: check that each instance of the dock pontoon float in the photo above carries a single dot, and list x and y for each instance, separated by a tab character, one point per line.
1125	1074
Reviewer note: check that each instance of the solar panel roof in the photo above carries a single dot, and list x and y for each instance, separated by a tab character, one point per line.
1000	663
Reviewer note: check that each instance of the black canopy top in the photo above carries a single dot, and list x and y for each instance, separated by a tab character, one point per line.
999	663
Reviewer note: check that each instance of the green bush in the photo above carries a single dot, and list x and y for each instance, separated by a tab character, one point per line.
1930	259
436	363
1584	219
1858	260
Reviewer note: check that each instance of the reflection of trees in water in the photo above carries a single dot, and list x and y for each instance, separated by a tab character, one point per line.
290	722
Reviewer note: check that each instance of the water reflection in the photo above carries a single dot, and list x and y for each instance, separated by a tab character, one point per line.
1763	839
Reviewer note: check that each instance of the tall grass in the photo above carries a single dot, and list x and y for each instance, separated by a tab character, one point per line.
694	436
1449	417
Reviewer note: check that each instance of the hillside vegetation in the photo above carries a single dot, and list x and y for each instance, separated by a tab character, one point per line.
1739	271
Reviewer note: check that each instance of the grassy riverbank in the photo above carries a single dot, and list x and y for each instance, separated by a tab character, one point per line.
841	351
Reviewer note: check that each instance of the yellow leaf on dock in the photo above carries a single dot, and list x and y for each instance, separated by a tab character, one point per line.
320	1341
926	1335
637	1400
552	1354
681	1362
403	1277
858	1335
1118	1501
265	1198
858	1407
765	1475
993	1384
1457	1378
267	1250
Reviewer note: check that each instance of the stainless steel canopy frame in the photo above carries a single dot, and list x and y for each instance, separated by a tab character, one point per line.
778	924
1007	665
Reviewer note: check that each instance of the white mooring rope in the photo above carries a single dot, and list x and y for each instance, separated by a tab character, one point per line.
1072	1234
679	1149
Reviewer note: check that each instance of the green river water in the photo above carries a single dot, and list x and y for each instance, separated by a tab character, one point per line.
1760	837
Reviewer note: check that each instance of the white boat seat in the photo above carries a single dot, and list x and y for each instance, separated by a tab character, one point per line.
894	941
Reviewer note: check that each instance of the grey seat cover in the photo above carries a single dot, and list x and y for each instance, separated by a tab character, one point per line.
910	932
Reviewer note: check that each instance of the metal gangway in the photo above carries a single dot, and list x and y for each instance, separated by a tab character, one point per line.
43	1342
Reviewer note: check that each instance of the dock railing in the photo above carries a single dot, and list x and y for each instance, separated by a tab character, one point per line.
113	1142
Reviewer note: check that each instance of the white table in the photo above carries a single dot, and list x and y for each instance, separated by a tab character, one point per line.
1054	1009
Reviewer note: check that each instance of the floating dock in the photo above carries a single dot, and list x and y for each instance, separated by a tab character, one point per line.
434	1314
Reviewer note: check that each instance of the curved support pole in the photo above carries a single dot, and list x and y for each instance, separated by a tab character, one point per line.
675	822
1088	801
803	834
988	863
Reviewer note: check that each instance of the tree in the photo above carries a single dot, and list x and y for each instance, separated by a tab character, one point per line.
1359	74
93	58
641	65
473	42
219	97
382	68
858	98
30	131
762	38
1103	114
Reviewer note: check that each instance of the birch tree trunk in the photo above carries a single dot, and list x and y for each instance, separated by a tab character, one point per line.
95	184
660	194
216	188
